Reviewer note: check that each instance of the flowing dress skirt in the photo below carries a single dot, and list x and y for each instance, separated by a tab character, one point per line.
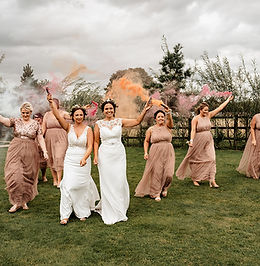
114	187
21	170
250	162
158	171
56	144
200	160
78	190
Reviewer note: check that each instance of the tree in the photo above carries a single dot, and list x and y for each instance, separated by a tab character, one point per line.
82	94
172	66
28	76
172	76
244	85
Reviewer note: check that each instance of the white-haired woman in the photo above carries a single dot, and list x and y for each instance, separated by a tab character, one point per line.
22	159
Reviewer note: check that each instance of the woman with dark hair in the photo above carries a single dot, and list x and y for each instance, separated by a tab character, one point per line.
22	159
200	160
160	162
43	163
250	162
111	160
78	190
56	142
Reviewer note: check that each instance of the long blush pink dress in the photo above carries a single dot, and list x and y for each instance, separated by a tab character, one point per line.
200	160
56	142
250	162
22	162
159	167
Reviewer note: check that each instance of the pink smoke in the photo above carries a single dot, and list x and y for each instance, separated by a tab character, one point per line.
92	111
207	92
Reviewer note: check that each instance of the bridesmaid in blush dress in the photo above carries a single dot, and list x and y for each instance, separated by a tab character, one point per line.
56	142
78	190
159	167
111	160
22	159
200	160
250	162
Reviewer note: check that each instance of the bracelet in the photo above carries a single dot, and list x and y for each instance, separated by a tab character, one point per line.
191	140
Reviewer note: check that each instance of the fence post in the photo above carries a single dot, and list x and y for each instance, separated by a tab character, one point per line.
235	131
189	128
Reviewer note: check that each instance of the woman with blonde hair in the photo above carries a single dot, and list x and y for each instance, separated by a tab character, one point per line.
200	160
22	159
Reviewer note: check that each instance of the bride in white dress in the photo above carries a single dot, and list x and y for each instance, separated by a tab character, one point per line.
78	190
111	160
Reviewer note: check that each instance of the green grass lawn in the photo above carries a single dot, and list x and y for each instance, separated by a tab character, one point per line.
192	226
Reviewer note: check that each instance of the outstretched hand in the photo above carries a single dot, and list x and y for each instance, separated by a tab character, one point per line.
166	107
148	105
230	98
49	98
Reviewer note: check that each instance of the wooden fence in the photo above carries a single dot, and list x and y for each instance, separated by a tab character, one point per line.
230	131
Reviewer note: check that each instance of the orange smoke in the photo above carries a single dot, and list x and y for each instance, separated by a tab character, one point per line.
136	90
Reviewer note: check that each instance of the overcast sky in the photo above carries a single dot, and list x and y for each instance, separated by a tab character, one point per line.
111	35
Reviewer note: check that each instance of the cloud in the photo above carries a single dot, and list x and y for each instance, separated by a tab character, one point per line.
109	35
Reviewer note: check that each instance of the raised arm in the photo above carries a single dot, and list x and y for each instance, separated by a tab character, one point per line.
169	121
194	123
252	130
5	121
64	124
221	107
96	143
139	119
147	142
89	147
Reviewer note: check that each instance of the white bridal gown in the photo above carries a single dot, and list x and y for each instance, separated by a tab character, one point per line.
114	188
78	190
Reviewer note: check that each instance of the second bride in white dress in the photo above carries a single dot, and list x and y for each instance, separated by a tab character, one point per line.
78	190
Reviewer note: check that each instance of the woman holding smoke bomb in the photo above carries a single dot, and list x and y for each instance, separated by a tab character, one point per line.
56	142
78	190
160	161
200	160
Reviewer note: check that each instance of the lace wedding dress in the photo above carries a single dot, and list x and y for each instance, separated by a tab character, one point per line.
112	173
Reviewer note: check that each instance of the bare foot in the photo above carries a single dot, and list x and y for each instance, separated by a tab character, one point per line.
157	199
44	179
195	183
213	184
164	193
25	207
83	219
64	221
14	208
